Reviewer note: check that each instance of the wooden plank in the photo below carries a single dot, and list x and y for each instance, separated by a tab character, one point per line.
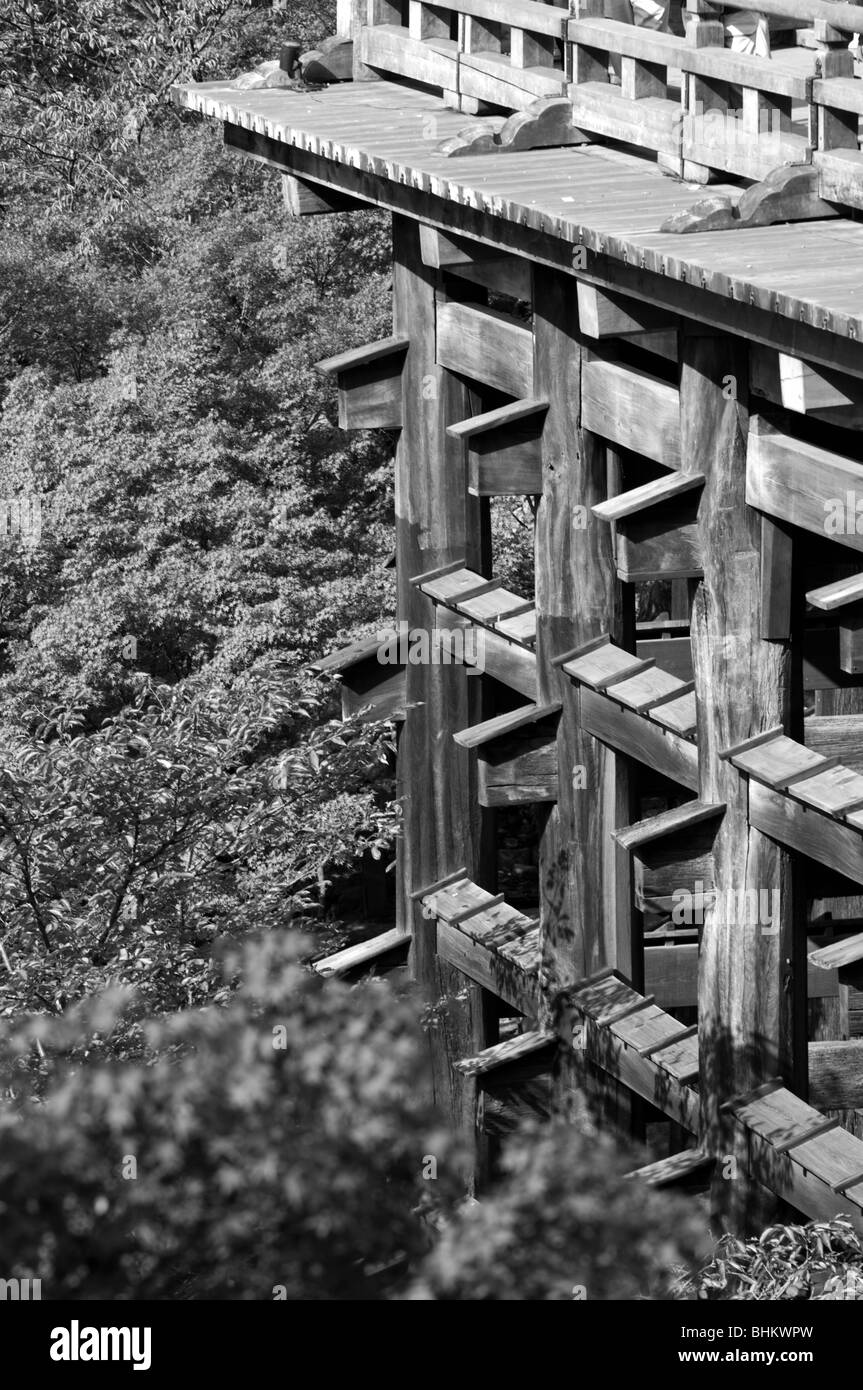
677	1168
678	819
802	484
504	725
832	596
369	382
487	346
820	837
647	689
650	494
777	760
363	953
633	409
680	716
638	737
848	950
601	664
834	791
537	1040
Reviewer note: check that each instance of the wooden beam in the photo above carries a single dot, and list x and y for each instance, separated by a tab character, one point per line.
631	408
820	837
604	314
505	725
489	969
520	771
476	262
802	484
486	346
809	390
638	737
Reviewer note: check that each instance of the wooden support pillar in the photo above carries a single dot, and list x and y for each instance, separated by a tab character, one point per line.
578	597
436	524
746	991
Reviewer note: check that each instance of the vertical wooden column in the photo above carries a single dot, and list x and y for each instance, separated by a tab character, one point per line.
577	598
441	831
743	684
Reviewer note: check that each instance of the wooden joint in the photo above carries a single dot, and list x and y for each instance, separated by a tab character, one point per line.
618	1015
822	1127
767	737
460	876
474	911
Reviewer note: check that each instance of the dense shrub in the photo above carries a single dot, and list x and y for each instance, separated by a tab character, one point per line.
273	1147
565	1224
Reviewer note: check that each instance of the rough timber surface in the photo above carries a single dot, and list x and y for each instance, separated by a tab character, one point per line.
380	141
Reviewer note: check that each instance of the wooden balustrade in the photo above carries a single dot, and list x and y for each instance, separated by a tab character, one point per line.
701	105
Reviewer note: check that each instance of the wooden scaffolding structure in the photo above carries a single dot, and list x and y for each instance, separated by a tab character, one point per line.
675	375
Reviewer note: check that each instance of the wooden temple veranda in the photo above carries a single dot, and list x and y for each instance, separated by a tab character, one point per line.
671	364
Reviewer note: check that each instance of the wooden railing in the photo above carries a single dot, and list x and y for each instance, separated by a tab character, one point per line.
699	104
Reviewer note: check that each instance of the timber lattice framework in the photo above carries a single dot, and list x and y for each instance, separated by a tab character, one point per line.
626	284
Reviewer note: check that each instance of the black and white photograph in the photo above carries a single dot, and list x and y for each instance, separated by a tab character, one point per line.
431	673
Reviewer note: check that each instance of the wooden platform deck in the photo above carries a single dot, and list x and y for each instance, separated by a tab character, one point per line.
795	286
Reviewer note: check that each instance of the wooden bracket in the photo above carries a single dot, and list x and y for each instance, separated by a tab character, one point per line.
542	125
788	194
303	199
370	384
504	449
